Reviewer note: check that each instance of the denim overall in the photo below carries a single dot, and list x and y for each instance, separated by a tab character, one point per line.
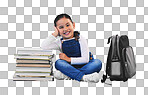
72	49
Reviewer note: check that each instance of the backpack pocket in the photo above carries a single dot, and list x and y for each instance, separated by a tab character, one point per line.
129	61
115	68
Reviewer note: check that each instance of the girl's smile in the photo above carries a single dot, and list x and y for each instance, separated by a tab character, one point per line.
66	33
65	28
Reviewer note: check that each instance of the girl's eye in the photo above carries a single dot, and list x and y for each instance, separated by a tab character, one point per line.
61	27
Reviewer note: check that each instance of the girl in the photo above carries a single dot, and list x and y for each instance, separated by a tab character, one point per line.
76	62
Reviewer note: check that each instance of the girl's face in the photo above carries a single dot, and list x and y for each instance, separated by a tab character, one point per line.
65	28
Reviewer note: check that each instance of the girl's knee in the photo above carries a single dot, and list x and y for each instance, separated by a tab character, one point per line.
98	63
60	64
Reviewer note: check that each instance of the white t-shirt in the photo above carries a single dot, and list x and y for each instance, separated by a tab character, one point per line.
54	43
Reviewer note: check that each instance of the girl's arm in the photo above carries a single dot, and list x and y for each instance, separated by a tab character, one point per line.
51	43
84	53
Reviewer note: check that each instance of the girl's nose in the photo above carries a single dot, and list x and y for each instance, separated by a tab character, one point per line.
65	28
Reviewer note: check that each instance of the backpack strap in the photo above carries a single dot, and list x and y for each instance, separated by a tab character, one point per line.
118	51
115	48
109	40
104	77
112	54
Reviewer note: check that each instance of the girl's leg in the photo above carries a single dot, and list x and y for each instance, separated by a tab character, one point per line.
94	65
91	70
68	70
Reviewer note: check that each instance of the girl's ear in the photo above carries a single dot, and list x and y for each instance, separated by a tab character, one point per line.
74	25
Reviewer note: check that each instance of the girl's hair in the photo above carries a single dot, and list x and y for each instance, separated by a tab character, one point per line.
76	33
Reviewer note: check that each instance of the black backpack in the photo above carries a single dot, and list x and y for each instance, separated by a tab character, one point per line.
121	63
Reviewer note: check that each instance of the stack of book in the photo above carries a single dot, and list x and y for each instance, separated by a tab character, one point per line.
33	64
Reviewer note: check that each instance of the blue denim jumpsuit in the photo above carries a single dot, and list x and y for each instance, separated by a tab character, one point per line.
72	49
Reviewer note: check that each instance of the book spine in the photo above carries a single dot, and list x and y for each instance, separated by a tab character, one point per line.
27	65
32	61
32	72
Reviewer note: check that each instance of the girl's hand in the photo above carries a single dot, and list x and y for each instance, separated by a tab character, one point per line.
63	56
56	33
